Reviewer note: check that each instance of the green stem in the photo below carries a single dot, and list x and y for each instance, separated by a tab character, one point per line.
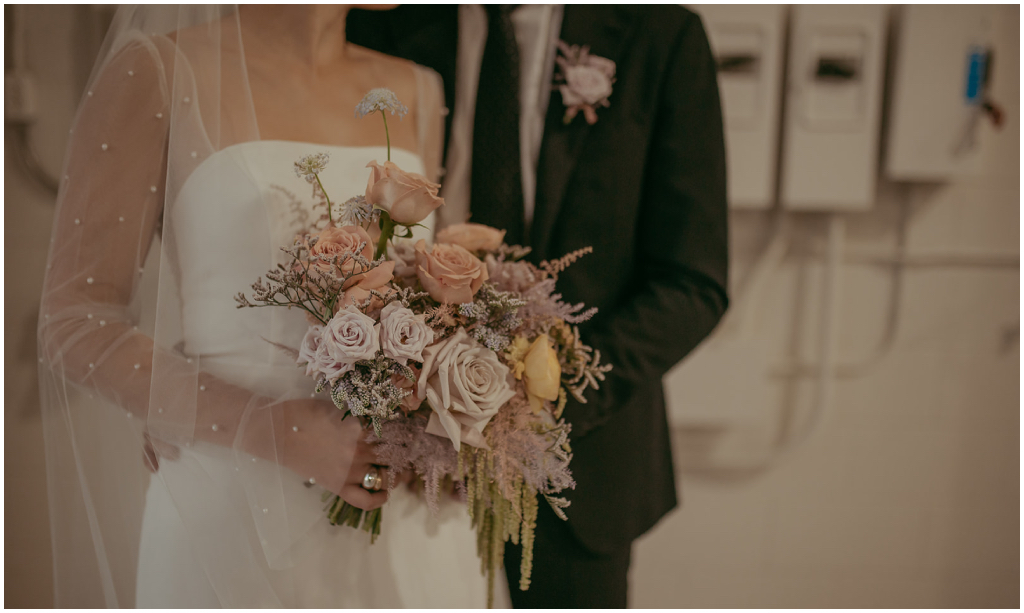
387	135
387	230
329	218
342	513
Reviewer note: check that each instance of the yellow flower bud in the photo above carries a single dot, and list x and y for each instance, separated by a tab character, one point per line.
543	373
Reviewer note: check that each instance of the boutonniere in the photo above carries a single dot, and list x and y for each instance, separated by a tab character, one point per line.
585	81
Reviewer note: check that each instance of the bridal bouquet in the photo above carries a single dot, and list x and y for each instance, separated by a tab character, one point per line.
458	356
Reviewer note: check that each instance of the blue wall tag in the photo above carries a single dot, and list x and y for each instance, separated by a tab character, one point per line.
975	75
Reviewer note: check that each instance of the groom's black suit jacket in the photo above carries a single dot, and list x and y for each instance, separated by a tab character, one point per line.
645	186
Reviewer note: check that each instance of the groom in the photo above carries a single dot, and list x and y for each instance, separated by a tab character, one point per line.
639	174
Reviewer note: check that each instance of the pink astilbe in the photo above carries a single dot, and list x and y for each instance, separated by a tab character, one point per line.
543	306
511	276
537	287
537	454
405	446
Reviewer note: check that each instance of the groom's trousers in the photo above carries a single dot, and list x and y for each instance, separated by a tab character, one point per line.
565	574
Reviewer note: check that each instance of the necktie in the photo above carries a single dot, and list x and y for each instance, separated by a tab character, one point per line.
496	183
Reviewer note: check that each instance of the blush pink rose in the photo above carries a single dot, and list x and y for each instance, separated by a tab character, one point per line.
406	196
449	273
338	241
472	236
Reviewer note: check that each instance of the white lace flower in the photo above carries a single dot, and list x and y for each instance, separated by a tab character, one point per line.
309	166
357	211
380	99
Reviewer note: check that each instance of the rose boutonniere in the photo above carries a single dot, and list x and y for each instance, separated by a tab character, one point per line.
585	81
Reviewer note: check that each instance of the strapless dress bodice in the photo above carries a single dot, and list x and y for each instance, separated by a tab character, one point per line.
232	217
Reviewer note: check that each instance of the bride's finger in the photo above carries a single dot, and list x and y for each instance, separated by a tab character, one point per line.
365	455
360	469
363	499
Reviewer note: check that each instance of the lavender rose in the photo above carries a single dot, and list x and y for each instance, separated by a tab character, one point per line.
403	253
350	336
465	384
329	367
307	350
403	334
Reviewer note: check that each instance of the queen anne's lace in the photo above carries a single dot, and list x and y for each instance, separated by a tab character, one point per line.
381	99
356	211
309	166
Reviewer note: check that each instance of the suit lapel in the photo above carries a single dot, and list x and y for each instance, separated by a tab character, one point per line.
604	29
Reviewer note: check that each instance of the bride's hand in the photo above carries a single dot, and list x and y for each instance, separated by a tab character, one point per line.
330	450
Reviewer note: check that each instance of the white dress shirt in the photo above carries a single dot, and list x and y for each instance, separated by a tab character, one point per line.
537	28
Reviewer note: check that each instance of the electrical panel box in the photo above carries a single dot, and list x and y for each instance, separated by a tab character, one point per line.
940	72
833	108
748	44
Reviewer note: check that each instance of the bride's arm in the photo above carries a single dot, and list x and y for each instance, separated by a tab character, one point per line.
109	212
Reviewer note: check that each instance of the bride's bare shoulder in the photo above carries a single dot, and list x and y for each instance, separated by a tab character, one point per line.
394	73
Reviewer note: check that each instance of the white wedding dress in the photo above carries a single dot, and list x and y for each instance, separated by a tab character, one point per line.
420	560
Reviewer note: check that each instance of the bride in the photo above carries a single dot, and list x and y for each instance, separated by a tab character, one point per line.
177	194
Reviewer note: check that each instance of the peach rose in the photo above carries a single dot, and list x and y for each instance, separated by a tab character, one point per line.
472	236
357	288
338	241
406	196
449	273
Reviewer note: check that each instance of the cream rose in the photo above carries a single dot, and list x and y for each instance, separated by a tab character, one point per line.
472	236
465	384
338	241
403	334
406	196
449	273
350	336
542	373
590	83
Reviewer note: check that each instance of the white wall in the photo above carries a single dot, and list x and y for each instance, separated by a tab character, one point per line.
908	497
49	32
909	494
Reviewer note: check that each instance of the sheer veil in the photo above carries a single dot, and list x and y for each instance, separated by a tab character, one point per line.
169	92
